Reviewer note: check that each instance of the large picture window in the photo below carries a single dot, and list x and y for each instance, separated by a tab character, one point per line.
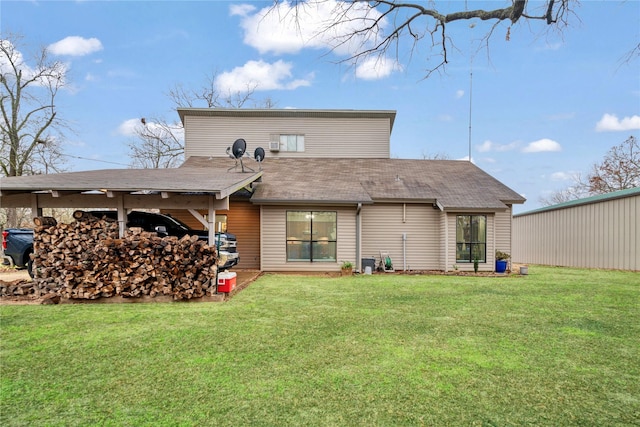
471	238
311	236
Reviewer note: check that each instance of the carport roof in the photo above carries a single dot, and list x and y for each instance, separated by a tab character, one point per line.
180	180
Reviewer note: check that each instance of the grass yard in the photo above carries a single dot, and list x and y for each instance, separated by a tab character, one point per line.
557	347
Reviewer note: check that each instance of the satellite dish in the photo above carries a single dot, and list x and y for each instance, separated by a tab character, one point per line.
237	151
239	147
258	154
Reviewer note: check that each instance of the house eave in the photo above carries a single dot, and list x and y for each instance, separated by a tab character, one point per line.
288	113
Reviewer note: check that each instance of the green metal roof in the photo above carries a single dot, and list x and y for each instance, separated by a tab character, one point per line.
630	192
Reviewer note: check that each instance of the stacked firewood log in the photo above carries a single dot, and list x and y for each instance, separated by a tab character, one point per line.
87	260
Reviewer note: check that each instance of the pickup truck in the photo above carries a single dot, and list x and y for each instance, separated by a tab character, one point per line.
166	225
17	244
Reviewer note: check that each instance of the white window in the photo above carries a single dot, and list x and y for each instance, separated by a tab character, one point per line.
289	142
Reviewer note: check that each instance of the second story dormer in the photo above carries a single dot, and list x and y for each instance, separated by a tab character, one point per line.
289	132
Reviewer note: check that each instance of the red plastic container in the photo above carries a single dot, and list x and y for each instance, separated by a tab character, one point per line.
226	281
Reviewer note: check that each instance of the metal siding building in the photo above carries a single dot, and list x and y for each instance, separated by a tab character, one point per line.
596	232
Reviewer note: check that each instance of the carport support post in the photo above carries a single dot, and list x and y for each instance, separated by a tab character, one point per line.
36	210
211	220
122	215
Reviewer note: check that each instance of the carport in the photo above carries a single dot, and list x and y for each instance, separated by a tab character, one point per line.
126	189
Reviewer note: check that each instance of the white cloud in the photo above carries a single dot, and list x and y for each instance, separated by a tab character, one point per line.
259	75
542	145
459	93
492	146
241	9
550	46
611	123
75	46
285	28
129	128
16	57
375	68
445	118
60	69
562	176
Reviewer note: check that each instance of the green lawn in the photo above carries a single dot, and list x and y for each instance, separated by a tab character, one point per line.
557	347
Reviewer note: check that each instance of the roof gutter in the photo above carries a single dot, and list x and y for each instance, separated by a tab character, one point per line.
306	202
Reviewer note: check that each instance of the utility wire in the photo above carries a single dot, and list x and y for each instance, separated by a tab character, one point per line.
94	160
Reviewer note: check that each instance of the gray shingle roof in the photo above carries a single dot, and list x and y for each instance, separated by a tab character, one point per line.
178	180
454	184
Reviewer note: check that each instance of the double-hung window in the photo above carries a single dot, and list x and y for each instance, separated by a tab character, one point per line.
471	238
311	235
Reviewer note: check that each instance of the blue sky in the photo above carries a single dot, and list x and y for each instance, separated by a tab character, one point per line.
545	105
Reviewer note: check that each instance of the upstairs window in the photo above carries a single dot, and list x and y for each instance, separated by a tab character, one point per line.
471	238
287	142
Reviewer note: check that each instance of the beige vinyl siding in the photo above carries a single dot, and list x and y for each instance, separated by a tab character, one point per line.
503	231
594	235
324	137
273	221
383	226
489	265
445	263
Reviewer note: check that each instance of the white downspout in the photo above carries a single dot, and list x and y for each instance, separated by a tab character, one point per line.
358	237
404	251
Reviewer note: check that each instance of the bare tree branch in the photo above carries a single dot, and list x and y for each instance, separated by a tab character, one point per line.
369	28
619	170
160	143
28	111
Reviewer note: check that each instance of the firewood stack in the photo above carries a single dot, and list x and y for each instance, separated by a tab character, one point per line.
87	260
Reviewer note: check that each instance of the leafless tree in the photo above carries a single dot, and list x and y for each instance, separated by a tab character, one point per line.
30	129
377	28
440	155
29	124
619	170
159	142
577	190
159	145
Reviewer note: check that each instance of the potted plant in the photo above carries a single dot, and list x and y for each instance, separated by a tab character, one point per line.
346	268
501	261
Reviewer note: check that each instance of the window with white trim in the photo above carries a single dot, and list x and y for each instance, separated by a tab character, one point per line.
311	235
288	142
471	238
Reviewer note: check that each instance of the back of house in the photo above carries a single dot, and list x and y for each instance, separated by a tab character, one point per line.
330	192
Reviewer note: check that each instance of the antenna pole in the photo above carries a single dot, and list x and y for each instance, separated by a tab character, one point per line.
470	99
471	26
